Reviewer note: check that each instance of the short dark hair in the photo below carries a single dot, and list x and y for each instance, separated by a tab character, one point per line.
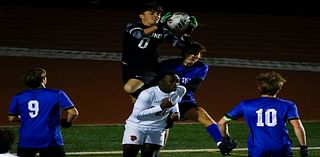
149	6
34	77
193	47
6	140
164	73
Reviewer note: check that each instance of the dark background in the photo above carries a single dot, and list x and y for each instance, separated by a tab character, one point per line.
301	8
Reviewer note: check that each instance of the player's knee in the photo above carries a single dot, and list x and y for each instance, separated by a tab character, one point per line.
129	89
202	112
204	117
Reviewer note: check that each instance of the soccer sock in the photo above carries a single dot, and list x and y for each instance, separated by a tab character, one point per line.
214	132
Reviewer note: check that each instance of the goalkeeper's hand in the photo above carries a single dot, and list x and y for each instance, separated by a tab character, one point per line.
165	18
304	151
227	145
193	25
65	124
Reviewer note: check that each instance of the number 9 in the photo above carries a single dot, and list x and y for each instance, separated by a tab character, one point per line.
33	107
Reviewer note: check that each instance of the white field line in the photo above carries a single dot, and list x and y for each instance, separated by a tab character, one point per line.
170	151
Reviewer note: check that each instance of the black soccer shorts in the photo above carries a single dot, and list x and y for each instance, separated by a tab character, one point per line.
184	107
44	152
145	74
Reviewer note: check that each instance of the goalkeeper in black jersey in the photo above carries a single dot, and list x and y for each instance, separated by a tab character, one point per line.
140	46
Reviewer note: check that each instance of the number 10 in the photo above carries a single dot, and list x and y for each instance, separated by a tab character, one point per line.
270	117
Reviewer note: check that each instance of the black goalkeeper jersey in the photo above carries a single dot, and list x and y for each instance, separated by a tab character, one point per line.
141	50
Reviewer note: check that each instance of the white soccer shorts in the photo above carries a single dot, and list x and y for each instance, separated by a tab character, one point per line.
139	135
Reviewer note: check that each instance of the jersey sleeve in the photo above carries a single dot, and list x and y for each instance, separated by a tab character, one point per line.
236	112
293	112
134	30
196	81
65	101
143	107
172	39
176	96
203	72
175	108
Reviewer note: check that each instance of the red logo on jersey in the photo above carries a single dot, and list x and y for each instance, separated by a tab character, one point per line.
133	138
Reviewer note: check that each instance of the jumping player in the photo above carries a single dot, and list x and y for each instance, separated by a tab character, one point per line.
192	73
266	117
142	39
38	110
145	127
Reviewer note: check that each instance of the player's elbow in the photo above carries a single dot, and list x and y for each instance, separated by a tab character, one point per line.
13	118
128	89
73	112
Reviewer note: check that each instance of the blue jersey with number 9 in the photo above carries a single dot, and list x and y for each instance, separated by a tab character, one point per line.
40	112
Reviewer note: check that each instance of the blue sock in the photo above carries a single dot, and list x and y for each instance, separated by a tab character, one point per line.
214	132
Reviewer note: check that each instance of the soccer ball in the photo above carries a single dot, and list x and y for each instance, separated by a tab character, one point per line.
179	21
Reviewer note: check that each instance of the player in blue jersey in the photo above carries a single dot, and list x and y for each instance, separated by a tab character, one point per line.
192	73
141	42
266	117
38	109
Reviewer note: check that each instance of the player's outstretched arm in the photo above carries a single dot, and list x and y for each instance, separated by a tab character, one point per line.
301	136
223	126
227	143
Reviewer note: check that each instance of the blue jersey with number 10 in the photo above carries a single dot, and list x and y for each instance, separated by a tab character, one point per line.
266	118
40	111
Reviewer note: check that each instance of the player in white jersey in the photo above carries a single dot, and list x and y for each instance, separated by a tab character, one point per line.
145	127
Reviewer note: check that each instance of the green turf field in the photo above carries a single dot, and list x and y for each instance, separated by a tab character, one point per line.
185	140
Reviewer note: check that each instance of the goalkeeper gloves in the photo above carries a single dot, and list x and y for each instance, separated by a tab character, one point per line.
193	22
304	151
65	124
193	25
165	18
